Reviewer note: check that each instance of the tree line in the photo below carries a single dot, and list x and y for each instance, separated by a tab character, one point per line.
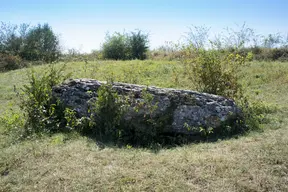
31	43
24	43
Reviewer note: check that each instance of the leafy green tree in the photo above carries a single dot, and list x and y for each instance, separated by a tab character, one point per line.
138	43
7	36
41	43
12	38
30	43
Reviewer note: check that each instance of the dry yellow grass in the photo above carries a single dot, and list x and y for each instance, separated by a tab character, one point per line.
254	163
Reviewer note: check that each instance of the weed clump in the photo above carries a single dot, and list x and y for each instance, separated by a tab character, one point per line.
126	46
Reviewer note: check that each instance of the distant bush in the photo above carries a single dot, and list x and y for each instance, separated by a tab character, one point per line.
270	54
10	62
280	54
265	54
125	46
251	53
138	45
116	47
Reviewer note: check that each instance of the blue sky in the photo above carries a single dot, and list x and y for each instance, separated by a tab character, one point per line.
82	24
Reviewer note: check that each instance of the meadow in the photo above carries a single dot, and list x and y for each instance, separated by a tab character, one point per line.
71	162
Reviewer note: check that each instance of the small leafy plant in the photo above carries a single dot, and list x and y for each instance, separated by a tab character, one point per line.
42	113
107	113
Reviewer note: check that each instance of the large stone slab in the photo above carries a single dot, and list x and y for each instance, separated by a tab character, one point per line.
178	111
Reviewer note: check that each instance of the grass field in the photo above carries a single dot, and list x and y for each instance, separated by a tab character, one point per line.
255	162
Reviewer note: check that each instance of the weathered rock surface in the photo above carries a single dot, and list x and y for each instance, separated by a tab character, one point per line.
180	111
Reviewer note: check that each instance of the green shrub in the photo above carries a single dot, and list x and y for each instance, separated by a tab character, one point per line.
125	46
280	54
116	47
107	123
107	113
138	45
218	73
270	54
146	128
42	113
213	72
